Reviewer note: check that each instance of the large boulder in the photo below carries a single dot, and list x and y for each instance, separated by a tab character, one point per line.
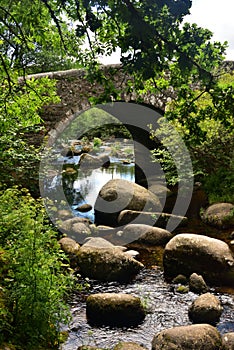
187	253
194	337
158	219
88	161
220	215
146	234
114	309
117	195
206	309
107	264
228	341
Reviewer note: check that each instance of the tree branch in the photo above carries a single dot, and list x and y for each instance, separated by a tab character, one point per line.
170	44
54	17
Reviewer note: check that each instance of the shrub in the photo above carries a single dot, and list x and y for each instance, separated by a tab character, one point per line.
34	282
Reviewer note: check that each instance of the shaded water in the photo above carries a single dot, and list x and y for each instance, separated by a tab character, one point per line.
166	308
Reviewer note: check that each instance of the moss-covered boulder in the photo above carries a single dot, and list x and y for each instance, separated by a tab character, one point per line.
187	253
228	341
146	234
206	309
117	195
114	309
69	246
194	337
107	264
220	215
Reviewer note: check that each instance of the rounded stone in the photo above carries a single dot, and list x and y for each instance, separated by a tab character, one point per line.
197	284
180	279
219	215
228	341
69	245
193	337
84	208
205	309
146	234
188	253
128	346
107	264
88	347
114	309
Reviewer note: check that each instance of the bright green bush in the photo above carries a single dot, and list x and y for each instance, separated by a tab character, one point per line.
34	282
19	118
207	128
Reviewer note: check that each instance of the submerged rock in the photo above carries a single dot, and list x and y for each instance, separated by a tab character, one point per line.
107	264
187	253
194	337
114	309
206	309
117	195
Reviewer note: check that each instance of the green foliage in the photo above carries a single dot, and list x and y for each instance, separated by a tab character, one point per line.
20	116
172	153
207	127
33	281
94	124
97	142
220	185
116	149
31	30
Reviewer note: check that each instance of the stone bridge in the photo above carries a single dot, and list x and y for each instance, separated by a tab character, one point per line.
75	90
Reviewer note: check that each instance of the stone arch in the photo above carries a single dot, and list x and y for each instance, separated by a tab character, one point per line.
135	124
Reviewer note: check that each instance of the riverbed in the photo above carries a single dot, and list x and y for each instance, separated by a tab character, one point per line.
165	306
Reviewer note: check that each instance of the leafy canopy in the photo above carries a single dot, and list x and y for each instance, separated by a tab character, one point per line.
158	50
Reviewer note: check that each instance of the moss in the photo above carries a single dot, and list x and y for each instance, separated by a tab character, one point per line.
182	289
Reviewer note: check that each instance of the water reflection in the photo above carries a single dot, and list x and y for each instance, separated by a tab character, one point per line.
84	186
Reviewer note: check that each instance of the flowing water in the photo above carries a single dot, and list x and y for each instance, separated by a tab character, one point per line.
166	307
